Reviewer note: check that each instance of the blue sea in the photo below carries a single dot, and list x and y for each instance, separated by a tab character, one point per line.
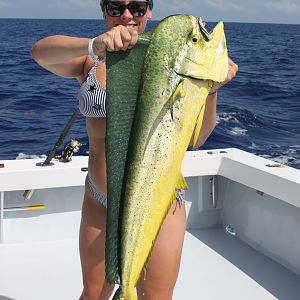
259	111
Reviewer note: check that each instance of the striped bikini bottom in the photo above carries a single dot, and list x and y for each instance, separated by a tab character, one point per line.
102	199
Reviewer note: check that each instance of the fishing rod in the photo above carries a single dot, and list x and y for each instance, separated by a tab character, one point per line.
28	193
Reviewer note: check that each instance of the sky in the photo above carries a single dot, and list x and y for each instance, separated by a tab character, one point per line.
253	11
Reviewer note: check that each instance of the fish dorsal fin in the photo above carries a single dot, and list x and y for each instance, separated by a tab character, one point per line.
124	70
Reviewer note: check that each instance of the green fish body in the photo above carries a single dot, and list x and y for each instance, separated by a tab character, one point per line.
179	67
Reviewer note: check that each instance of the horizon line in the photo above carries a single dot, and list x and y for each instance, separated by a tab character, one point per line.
152	20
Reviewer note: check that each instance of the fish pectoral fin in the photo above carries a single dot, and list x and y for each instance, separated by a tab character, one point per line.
199	123
167	108
172	112
181	183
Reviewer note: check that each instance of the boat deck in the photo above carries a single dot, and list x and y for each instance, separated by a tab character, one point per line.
215	265
259	200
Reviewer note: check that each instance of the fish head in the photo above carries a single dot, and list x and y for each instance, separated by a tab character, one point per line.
204	54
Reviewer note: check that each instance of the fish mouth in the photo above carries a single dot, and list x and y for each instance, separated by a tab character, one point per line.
195	76
187	76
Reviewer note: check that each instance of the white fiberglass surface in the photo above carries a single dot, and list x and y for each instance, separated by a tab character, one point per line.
214	266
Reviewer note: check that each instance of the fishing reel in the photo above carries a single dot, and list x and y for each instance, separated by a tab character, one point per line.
69	149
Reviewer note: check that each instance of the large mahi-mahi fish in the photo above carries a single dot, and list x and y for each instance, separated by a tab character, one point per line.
178	67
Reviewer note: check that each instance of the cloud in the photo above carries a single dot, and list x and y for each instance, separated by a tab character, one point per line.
175	6
225	6
3	3
59	6
85	3
284	6
69	4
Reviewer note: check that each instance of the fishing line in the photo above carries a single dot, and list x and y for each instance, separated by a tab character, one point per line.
28	193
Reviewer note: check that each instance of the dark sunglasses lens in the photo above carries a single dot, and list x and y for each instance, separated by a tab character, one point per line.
137	9
116	9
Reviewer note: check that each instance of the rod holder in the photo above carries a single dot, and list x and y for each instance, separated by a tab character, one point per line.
28	194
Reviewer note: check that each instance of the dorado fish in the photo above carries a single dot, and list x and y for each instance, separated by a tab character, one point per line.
178	68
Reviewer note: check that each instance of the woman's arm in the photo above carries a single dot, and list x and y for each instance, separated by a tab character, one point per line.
61	55
66	56
209	120
210	112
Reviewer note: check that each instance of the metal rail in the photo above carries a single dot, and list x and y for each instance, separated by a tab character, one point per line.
1	215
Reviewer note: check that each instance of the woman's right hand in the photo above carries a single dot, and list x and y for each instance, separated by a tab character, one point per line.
116	39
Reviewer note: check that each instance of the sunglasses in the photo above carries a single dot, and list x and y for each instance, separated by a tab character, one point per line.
136	9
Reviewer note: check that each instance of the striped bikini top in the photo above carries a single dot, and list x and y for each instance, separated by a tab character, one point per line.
91	97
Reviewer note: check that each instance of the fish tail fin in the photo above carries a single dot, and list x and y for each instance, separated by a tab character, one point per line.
125	293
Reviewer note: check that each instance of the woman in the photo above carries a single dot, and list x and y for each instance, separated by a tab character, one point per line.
82	58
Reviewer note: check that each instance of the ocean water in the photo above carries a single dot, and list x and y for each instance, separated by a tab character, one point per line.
259	111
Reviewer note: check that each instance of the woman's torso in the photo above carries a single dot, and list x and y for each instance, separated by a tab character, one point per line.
94	84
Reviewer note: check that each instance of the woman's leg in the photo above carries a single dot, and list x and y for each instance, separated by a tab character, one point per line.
92	250
163	267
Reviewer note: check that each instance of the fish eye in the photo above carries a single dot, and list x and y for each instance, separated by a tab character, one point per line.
195	39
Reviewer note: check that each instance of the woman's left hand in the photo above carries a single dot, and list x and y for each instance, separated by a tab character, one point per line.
232	70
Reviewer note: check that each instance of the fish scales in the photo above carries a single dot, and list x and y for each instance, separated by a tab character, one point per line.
120	107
